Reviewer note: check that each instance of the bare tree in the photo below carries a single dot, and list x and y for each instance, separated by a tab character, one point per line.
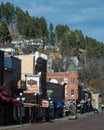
93	71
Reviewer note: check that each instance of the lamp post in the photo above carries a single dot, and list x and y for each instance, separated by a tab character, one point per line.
49	93
21	99
49	99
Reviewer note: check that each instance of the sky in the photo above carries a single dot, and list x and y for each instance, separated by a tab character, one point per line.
84	15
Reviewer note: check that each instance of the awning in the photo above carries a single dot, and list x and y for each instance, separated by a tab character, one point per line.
5	97
14	101
58	104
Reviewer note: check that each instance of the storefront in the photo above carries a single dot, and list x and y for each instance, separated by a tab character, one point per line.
8	109
33	112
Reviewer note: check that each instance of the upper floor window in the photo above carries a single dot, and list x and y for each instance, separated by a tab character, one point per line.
72	80
72	92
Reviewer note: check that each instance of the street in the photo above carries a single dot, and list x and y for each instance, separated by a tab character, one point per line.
86	122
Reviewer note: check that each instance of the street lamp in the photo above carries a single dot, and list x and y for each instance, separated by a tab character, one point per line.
49	93
21	99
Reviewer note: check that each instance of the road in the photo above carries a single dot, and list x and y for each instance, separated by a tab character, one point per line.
86	122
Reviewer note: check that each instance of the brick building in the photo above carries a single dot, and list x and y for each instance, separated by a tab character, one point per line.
70	78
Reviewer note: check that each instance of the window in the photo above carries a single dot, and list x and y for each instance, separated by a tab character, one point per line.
72	80
72	92
61	79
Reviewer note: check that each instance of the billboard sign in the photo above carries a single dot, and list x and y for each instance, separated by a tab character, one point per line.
32	84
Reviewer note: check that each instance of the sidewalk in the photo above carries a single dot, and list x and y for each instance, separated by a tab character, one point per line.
10	127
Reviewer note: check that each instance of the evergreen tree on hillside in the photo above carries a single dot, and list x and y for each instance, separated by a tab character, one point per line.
43	28
94	48
4	33
21	20
7	14
51	34
60	30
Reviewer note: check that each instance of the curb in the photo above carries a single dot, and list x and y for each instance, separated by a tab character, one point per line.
24	125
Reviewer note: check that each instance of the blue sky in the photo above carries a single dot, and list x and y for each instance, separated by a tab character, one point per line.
84	15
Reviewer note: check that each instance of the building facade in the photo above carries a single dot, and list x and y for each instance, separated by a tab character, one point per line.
27	65
71	80
1	69
10	73
33	74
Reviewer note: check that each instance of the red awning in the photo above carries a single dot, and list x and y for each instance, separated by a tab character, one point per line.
5	97
15	101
